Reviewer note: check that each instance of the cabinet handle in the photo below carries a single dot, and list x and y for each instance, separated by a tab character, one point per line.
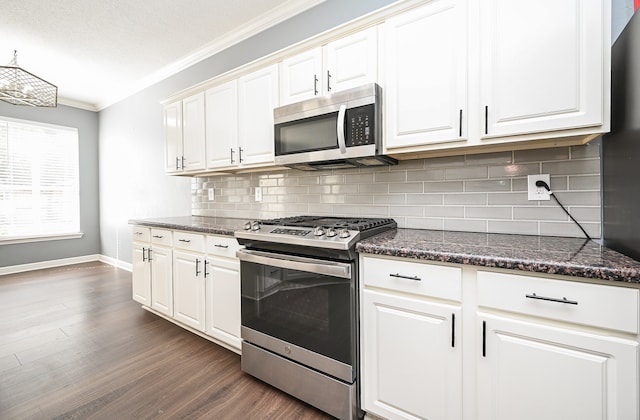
453	330
183	159
177	160
158	236
205	268
550	299
137	233
460	125
315	84
486	119
484	338
221	246
400	276
197	262
232	155
149	254
240	150
184	240
328	81
144	258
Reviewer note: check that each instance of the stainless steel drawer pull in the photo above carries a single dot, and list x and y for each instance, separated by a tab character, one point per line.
137	233
158	236
184	240
221	246
400	276
550	299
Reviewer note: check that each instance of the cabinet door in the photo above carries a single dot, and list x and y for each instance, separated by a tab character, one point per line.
426	68
141	276
222	125
258	95
530	371
541	65
301	76
223	301
173	137
193	120
411	358
351	61
162	280
189	288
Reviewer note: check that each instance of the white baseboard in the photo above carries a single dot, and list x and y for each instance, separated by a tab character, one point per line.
65	261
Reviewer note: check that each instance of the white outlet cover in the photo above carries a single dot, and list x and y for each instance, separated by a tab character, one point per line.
538	193
211	194
258	194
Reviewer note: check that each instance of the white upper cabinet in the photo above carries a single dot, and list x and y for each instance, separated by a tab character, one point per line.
342	64
257	96
542	65
426	75
184	127
173	137
239	120
222	125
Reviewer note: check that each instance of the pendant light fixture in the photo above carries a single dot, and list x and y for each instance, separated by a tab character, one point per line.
19	87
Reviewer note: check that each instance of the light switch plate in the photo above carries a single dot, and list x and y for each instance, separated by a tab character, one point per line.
538	193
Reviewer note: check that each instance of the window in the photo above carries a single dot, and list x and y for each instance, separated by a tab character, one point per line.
39	188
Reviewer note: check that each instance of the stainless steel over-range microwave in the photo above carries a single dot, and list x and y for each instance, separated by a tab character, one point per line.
340	130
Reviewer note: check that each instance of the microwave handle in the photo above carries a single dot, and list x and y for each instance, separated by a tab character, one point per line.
342	112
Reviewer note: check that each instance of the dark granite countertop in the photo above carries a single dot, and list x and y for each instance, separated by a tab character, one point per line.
203	224
541	254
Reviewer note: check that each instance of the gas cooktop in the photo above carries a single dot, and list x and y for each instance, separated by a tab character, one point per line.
315	231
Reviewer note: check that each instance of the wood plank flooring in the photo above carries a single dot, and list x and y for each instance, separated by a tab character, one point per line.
74	345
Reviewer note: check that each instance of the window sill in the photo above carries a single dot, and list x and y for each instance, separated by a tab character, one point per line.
42	238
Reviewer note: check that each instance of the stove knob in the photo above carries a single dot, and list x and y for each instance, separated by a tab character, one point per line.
344	233
318	231
255	225
247	226
331	232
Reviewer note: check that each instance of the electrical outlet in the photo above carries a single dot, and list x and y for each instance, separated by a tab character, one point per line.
538	193
258	193
211	194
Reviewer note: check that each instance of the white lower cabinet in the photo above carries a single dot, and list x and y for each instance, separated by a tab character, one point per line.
411	358
532	371
162	279
491	344
192	279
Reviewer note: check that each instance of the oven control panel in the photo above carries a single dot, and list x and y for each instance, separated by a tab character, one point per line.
319	236
289	231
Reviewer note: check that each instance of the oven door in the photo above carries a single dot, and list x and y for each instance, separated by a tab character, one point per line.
301	308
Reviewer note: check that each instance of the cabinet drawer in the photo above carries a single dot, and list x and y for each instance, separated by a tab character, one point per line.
596	305
188	241
141	233
413	277
222	246
161	237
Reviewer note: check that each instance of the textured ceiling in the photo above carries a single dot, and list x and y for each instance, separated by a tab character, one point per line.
100	51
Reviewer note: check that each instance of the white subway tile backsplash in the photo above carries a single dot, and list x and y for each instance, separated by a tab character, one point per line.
480	193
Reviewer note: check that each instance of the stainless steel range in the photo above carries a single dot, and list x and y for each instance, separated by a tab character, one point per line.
300	306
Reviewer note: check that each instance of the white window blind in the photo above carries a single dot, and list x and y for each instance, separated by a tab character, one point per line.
39	187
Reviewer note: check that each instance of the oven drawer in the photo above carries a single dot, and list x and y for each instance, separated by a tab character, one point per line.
609	307
188	241
222	246
141	233
413	277
161	237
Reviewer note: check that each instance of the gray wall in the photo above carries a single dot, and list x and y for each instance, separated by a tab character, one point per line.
87	124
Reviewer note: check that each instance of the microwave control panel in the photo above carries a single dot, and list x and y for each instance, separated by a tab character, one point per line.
360	126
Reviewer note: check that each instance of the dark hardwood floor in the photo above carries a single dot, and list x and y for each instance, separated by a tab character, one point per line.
74	345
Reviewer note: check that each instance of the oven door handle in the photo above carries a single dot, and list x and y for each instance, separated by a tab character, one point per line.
310	265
